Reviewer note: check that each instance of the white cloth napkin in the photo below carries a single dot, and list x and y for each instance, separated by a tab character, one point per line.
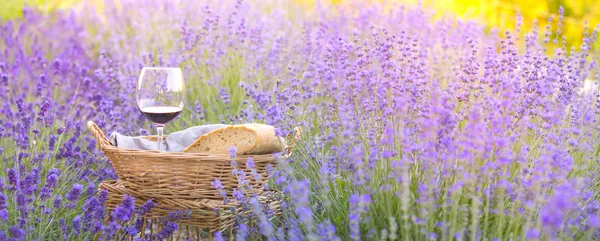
175	142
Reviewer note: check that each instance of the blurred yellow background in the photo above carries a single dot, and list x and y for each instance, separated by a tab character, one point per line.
503	14
13	8
493	13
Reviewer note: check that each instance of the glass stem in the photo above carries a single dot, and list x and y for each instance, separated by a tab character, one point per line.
159	129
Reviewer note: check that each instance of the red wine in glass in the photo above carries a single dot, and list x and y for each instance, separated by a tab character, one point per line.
160	114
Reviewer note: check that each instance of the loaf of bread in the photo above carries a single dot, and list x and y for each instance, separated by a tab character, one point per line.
248	139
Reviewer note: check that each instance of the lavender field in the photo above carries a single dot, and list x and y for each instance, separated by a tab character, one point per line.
415	128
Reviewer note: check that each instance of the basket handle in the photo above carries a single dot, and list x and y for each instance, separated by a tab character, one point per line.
98	134
297	135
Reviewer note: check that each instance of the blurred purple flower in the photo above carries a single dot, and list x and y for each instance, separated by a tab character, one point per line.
241	232
3	201
17	233
326	231
250	163
3	215
76	223
57	201
21	201
219	236
217	184
232	152
75	192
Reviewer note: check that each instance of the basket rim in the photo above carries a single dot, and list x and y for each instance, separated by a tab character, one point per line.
134	152
105	146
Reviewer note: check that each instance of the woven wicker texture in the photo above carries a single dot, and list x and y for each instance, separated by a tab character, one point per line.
210	215
181	175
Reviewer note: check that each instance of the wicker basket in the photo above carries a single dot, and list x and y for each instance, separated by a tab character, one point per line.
181	175
208	214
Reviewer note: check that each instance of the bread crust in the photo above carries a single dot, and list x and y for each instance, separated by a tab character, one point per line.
265	140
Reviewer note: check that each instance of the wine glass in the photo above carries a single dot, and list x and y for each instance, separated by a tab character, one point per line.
160	94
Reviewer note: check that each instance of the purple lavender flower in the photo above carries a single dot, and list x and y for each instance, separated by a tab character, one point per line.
167	231
266	228
354	222
108	231
51	142
145	208
3	215
199	110
224	96
217	184
43	109
593	221
21	201
250	163
12	178
75	192
76	223
124	211
3	201
241	232
219	236
93	209
90	190
103	195
219	187
238	195
52	178
57	203
17	233
326	231
533	234
232	152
